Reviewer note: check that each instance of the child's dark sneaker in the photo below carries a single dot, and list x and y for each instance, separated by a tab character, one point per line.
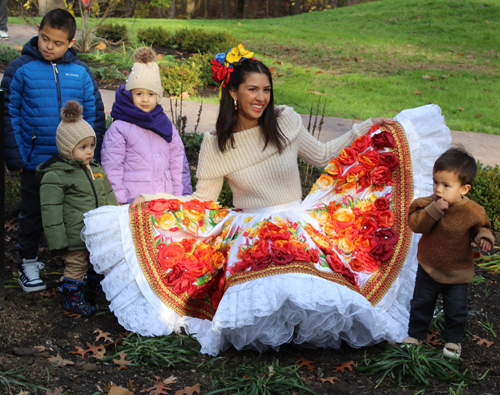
29	275
73	300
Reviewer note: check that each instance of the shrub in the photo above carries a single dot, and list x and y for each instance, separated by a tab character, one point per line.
112	32
203	63
8	54
199	40
184	77
155	36
486	192
109	73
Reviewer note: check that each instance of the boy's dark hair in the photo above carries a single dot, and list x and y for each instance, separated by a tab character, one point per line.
458	161
61	20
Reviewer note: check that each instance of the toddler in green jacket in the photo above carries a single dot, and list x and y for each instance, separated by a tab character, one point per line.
72	183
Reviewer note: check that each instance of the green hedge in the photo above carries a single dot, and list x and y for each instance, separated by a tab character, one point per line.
486	192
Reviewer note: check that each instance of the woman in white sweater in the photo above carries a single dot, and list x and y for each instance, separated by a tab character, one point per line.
330	268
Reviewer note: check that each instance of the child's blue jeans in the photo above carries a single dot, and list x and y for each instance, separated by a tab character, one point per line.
424	300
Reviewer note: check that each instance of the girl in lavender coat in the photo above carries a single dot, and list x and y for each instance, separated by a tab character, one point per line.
142	151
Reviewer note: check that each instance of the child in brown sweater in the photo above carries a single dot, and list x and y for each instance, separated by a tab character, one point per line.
447	220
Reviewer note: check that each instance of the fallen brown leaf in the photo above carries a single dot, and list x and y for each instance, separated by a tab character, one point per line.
189	390
483	341
72	315
11	225
117	390
57	391
343	366
460	108
304	362
160	385
122	362
417	92
102	334
329	379
59	362
80	351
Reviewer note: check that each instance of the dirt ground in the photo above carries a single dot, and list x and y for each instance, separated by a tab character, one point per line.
35	335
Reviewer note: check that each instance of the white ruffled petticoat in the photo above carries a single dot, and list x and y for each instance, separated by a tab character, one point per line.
267	312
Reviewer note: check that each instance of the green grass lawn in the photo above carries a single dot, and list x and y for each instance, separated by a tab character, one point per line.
378	58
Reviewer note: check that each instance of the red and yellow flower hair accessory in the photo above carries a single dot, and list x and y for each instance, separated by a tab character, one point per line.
223	64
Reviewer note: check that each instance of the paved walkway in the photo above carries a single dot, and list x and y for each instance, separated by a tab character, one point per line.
484	147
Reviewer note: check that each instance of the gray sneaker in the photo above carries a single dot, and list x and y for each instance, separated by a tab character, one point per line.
4	35
29	275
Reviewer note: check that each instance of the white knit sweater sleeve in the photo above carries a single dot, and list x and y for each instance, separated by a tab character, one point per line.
205	190
319	154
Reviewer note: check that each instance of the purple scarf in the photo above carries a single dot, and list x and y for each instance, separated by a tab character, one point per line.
156	120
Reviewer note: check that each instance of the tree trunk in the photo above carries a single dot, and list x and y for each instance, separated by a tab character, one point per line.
352	2
207	8
172	10
294	7
245	9
267	8
276	8
226	9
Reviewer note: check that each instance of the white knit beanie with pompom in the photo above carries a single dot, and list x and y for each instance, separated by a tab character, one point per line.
145	72
72	129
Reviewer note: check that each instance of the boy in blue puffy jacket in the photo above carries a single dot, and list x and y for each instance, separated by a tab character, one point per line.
37	85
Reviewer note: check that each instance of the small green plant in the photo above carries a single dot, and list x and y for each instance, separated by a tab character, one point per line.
460	388
478	279
8	54
113	32
180	78
203	62
199	40
257	378
486	324
155	36
490	262
486	192
109	73
14	377
164	351
414	365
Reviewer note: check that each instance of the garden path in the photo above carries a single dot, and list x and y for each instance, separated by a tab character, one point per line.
484	147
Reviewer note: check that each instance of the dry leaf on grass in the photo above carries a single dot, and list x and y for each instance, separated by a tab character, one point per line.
329	379
417	92
160	385
103	335
460	108
59	362
304	362
343	366
189	390
122	362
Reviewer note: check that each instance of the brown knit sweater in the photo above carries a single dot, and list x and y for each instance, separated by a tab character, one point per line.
445	250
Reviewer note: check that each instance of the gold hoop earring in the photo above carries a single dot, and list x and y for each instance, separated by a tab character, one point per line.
236	105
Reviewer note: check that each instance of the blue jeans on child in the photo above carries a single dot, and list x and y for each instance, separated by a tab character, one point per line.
424	300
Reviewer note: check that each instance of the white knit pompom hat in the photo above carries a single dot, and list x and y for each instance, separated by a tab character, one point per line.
145	72
72	129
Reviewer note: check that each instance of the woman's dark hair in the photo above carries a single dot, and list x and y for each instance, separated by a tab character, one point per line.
61	20
228	116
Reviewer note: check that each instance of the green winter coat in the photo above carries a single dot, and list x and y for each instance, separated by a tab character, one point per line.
67	191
